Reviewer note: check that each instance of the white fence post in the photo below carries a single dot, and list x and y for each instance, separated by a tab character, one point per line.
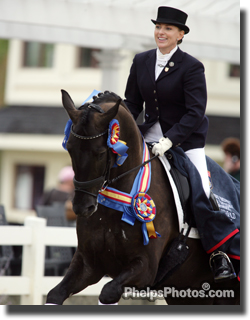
34	236
33	260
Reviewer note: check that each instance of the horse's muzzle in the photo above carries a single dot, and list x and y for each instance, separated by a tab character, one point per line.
85	209
85	212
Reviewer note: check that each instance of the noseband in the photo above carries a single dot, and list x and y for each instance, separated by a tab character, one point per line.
82	186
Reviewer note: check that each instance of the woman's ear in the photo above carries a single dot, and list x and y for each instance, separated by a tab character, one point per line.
181	34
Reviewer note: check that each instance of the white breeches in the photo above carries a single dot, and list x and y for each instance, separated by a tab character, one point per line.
197	156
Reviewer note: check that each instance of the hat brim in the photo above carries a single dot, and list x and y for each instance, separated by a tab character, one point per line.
174	23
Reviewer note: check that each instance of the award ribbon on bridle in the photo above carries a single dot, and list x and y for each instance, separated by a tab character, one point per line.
117	146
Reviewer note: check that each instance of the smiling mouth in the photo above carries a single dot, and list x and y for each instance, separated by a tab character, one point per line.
162	39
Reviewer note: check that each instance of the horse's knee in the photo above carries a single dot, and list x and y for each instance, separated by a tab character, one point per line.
111	293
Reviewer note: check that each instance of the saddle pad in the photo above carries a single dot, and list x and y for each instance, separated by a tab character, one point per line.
193	232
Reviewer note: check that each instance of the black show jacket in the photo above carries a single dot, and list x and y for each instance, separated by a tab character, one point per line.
177	98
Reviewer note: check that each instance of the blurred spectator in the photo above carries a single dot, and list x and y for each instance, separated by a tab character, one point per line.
63	193
231	148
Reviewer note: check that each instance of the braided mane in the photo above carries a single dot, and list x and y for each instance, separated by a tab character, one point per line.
102	97
107	96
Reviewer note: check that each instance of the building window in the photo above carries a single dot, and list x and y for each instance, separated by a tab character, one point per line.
38	55
234	71
28	186
86	58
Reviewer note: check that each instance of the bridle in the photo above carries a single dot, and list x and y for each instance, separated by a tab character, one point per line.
82	186
104	179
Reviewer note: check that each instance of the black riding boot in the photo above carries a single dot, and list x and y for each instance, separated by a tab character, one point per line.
221	266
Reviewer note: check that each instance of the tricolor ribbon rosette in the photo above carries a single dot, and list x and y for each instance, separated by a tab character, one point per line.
144	207
145	211
118	146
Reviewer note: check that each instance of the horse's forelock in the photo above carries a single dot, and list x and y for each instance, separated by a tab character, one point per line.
84	115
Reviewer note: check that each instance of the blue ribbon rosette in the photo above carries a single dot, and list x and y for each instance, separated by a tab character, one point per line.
118	146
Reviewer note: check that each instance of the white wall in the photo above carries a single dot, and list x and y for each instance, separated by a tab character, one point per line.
41	86
223	91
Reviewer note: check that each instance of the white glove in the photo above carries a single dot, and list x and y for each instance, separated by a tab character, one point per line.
161	147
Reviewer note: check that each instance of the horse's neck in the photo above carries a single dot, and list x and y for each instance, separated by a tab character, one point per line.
133	138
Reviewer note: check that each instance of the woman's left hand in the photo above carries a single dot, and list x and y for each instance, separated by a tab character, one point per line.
162	146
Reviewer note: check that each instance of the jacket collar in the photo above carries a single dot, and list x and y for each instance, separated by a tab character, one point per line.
172	64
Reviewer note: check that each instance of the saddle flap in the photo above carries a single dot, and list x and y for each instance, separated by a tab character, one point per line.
183	189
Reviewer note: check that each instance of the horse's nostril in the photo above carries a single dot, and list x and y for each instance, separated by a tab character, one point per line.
92	209
85	211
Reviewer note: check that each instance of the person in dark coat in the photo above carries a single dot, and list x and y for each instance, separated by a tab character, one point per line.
171	83
64	190
231	148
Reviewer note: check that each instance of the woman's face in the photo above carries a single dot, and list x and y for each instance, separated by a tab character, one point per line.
166	36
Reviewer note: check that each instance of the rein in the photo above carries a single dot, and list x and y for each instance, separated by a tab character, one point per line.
108	182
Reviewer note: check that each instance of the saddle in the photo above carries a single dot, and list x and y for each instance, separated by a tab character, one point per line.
183	187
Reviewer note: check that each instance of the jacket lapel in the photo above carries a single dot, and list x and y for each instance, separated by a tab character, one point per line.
172	65
150	63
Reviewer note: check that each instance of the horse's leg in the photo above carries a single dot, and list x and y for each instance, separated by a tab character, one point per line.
134	274
78	277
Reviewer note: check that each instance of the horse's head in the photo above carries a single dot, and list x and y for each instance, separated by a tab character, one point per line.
90	155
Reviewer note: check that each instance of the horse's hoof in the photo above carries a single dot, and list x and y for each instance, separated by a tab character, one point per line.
110	304
111	293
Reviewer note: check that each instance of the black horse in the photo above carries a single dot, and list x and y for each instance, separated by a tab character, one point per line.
106	244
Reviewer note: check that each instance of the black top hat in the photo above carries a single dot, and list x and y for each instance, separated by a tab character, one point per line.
172	16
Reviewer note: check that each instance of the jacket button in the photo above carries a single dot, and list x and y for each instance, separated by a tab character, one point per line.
154	91
157	108
155	100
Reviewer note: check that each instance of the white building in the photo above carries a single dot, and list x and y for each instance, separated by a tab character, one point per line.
79	46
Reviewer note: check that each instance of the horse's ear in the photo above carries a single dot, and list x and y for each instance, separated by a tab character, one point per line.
69	106
110	114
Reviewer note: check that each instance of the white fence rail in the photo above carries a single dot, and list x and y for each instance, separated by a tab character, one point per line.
34	236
